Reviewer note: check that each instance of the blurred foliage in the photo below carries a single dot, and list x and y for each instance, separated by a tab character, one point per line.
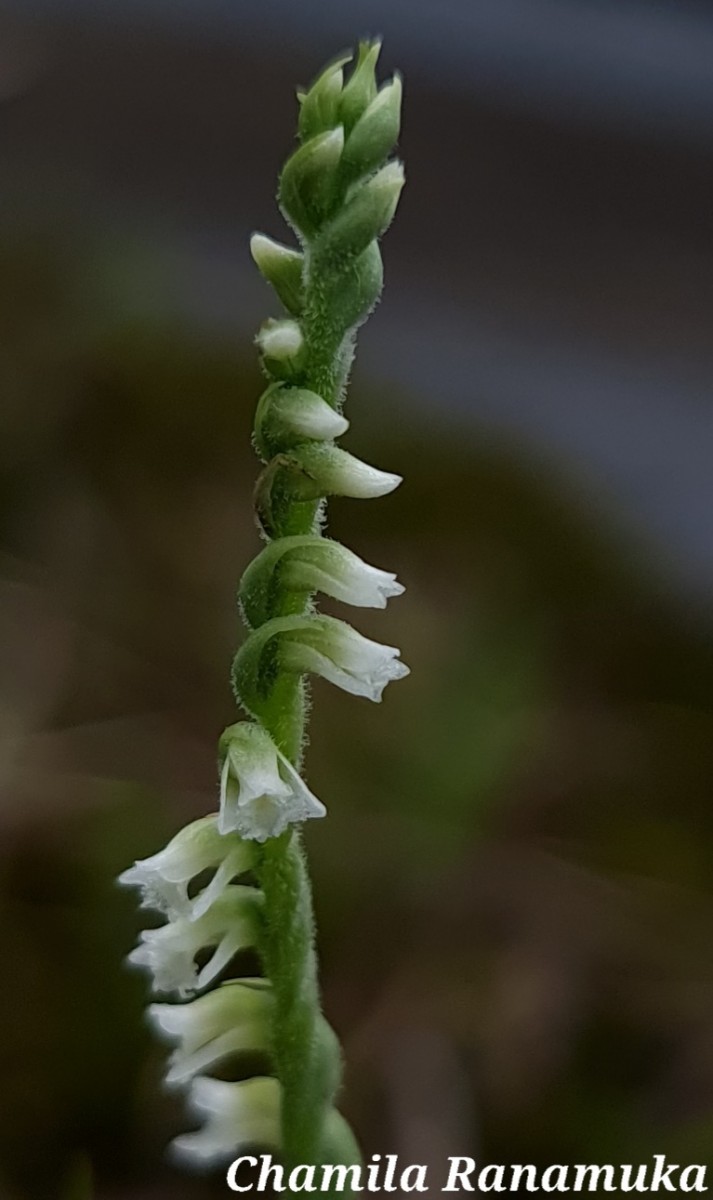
514	883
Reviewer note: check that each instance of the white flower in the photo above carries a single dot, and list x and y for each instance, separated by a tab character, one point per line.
320	565
232	1019
236	1115
261	793
164	878
229	925
331	648
338	473
281	339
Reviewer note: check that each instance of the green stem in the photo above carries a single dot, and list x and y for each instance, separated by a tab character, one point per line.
307	1056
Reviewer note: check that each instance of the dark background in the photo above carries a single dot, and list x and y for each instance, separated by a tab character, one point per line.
514	885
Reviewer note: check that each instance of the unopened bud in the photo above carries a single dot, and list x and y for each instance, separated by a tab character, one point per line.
337	473
281	267
282	346
366	216
307	182
319	106
375	134
287	416
360	89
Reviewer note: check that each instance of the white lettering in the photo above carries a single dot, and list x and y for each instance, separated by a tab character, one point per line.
341	1172
582	1171
232	1176
662	1177
561	1184
419	1184
699	1185
461	1173
531	1185
497	1185
266	1170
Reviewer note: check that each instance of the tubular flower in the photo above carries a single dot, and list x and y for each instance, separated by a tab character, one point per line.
334	650
164	878
229	924
232	1019
261	793
236	1115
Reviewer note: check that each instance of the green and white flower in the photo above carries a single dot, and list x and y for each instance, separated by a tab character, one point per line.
232	1019
236	1115
261	793
230	924
330	648
164	878
338	473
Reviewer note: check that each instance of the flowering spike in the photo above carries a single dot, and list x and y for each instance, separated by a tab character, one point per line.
339	194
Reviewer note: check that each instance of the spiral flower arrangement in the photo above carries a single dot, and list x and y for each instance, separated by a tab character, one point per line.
237	879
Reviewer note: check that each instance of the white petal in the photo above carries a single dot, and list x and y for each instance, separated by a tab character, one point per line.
236	1115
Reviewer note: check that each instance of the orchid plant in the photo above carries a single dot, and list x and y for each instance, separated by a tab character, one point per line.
237	879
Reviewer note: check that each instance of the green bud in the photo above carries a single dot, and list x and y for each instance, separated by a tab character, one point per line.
375	134
307	183
365	216
319	106
352	295
281	267
287	416
282	346
334	472
360	89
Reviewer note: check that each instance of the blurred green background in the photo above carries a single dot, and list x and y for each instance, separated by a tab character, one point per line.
514	887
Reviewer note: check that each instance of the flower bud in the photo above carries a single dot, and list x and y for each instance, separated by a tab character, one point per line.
261	793
230	924
319	106
309	563
312	644
360	89
282	346
236	1115
287	416
375	134
233	1018
307	182
365	216
352	295
336	473
281	267
165	877
330	648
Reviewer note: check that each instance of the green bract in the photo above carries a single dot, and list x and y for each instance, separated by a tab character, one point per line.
339	194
